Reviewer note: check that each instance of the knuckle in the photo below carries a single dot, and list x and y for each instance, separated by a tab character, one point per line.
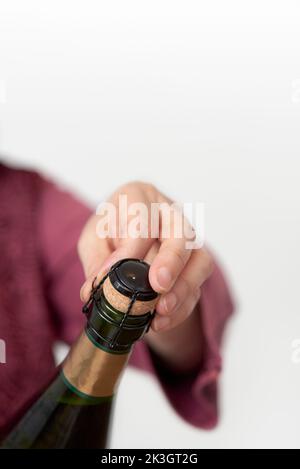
151	191
147	186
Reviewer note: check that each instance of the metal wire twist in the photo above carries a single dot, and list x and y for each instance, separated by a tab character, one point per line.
134	297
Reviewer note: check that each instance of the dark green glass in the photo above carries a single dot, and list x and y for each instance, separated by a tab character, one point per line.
110	330
63	417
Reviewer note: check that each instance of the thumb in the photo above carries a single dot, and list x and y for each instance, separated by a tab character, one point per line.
99	264
130	248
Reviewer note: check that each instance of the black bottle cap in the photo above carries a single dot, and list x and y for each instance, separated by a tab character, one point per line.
131	276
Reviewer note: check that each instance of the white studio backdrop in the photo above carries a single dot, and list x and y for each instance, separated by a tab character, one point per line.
202	99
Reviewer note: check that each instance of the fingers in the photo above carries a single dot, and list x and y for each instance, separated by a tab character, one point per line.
173	255
180	301
132	248
152	253
179	315
174	270
98	254
168	264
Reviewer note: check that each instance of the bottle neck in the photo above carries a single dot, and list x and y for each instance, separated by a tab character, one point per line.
91	370
112	329
95	362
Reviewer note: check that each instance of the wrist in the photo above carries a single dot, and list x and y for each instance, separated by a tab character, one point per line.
179	348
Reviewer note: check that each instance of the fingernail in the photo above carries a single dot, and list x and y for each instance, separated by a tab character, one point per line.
164	278
170	301
161	322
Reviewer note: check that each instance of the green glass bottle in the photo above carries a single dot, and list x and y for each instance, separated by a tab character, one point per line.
75	411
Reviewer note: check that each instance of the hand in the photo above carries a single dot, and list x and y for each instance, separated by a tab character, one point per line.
177	273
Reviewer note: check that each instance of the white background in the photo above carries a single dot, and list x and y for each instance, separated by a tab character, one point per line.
203	99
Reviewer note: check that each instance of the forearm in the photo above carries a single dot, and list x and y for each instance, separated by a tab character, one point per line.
179	348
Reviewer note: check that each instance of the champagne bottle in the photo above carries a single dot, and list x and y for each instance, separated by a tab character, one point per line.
75	410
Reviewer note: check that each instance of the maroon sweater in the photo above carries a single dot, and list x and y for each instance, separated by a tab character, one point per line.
40	279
